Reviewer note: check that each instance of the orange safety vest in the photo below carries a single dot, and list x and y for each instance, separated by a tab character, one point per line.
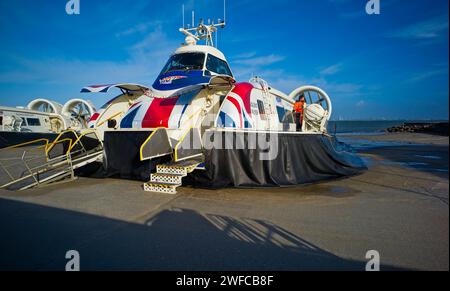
298	106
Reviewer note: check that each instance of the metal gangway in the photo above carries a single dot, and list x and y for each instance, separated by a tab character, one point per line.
41	162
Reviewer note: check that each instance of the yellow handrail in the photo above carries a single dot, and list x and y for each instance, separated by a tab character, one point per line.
47	150
180	141
59	136
193	115
80	136
111	117
27	143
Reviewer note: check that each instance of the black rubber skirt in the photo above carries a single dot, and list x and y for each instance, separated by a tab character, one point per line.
299	159
294	159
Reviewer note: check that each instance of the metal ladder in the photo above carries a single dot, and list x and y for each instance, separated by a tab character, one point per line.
169	176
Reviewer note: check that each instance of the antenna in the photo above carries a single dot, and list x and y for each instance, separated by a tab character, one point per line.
205	30
183	16
224	11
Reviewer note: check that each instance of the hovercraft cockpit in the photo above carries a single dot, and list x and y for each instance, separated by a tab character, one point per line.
191	65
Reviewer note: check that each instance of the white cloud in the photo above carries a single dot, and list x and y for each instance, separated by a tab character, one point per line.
145	59
260	61
244	55
155	45
249	64
331	70
428	74
286	82
429	29
139	28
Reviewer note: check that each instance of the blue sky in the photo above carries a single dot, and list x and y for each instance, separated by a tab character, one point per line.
393	65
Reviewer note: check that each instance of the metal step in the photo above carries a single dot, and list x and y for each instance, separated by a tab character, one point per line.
181	168
164	188
169	176
171	170
166	178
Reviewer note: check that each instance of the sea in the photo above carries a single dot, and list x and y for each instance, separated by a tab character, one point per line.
367	126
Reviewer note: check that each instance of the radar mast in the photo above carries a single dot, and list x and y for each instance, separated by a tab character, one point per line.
203	31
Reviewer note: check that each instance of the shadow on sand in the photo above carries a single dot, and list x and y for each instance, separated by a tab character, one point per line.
37	238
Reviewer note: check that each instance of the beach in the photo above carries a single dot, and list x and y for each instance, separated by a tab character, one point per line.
398	207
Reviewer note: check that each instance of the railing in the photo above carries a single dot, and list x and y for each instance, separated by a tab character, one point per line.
61	141
51	145
32	163
27	143
84	134
76	141
22	166
156	145
189	148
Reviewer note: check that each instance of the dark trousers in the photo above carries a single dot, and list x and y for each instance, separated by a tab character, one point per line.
298	121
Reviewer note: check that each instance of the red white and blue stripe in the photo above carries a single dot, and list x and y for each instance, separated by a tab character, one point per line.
106	88
236	110
158	112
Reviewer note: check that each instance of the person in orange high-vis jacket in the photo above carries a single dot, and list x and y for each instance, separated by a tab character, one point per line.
299	107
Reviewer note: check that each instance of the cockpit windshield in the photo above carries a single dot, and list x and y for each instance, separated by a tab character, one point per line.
186	61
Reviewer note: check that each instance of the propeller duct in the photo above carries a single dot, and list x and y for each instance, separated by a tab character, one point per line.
45	105
79	111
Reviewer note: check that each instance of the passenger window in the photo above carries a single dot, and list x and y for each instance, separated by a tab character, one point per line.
262	112
33	122
289	118
217	65
281	113
284	116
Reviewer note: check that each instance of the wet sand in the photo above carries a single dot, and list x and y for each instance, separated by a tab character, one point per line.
399	207
405	138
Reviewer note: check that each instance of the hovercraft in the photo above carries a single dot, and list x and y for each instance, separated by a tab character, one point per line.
197	125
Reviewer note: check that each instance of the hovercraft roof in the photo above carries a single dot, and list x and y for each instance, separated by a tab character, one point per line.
200	49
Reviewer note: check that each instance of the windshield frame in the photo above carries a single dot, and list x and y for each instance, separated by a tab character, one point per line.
222	61
169	68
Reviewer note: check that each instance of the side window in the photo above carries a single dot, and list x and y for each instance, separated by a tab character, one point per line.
284	116
262	112
289	118
33	122
1	119
281	114
217	65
